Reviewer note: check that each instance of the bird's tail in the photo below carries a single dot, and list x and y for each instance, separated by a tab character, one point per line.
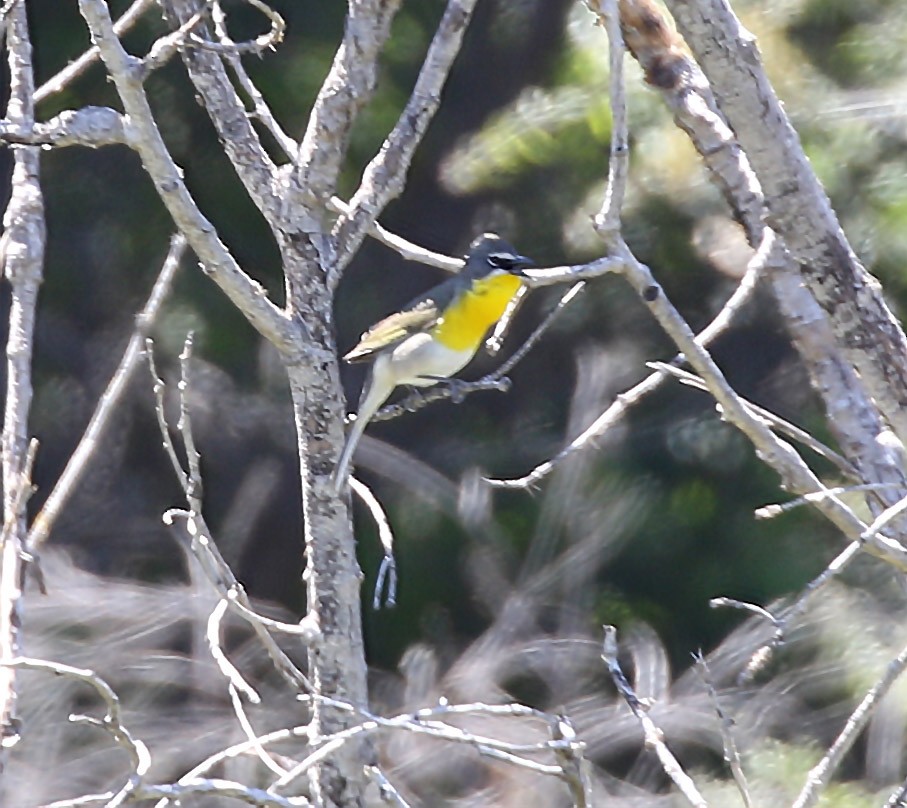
341	472
374	394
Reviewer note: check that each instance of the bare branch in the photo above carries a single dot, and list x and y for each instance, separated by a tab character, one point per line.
820	775
260	110
241	143
574	766
386	536
224	789
88	444
668	67
238	749
88	126
800	211
574	272
193	477
384	177
386	788
222	578
778	454
795	474
774	509
778	423
166	47
654	737
267	41
423	722
607	220
726	725
249	296
349	86
112	722
203	547
405	249
621	406
75	69
234	678
495	341
883	519
781	624
22	254
247	728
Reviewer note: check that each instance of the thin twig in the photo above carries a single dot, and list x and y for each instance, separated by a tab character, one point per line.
820	775
487	747
159	389
573	762
184	425
782	624
234	751
215	788
385	176
774	509
424	721
654	737
260	108
248	295
386	788
246	724
74	69
884	518
108	403
785	427
607	220
267	41
625	401
224	581
202	545
731	755
234	678
13	521
112	721
495	341
386	536
407	250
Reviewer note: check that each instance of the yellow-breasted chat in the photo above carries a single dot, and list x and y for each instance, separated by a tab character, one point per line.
435	335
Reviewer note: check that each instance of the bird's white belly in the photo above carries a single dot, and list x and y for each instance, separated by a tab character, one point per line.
420	361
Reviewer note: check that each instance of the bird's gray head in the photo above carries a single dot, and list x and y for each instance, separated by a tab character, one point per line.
490	253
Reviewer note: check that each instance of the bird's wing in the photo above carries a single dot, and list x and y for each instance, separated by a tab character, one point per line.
391	331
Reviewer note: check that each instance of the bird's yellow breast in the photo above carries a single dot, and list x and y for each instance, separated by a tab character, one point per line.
468	318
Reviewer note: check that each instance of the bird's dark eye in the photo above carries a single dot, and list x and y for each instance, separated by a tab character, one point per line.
501	261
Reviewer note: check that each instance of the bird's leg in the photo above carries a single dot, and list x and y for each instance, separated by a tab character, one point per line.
414	399
457	387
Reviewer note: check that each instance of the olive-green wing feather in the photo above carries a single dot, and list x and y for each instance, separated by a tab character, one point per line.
421	314
394	329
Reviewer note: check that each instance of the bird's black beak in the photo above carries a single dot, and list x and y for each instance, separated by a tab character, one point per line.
520	263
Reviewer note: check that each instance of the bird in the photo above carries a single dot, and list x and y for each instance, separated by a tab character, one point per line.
437	334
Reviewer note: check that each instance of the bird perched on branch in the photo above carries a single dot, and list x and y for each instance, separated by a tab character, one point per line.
436	334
